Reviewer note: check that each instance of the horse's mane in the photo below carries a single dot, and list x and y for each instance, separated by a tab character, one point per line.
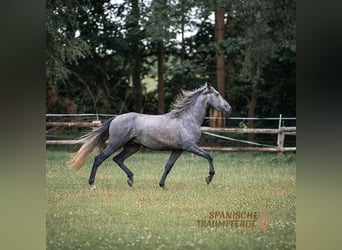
185	100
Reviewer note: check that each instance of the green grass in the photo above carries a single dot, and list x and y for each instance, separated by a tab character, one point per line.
116	216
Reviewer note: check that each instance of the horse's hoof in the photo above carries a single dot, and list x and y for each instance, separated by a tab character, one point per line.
130	182
92	187
162	185
208	179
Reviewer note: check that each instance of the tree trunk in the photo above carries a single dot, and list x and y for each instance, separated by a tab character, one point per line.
182	58
251	114
137	88
230	70
161	104
219	37
218	120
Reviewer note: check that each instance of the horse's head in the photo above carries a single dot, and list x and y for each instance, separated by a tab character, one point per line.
216	101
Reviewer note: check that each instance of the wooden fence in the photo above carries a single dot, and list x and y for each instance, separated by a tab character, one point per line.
281	132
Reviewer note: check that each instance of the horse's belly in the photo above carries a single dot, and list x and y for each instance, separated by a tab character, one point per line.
161	140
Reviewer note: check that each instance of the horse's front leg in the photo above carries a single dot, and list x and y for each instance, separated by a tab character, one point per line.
173	157
193	148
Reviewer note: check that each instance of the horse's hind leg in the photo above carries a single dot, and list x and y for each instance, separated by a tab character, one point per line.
97	162
127	151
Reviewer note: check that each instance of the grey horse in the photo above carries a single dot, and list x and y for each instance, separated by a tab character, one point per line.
177	131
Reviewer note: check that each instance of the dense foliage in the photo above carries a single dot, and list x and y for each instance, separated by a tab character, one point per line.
109	56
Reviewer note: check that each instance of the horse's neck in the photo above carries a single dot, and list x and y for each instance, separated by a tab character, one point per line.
197	112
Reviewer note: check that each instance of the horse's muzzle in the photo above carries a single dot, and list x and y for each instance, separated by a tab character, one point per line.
227	110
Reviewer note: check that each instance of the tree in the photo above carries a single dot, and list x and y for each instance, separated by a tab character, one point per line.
95	50
98	82
134	37
157	28
261	29
217	120
63	47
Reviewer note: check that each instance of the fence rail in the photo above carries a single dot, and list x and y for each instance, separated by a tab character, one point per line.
253	149
75	124
281	132
249	130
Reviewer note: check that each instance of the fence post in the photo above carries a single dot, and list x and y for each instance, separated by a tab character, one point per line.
280	139
279	125
97	123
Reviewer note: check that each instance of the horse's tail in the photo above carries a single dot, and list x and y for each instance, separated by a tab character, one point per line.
93	140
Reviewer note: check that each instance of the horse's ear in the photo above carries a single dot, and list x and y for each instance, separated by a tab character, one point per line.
208	85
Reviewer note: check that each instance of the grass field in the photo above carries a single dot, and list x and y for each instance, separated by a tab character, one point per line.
116	216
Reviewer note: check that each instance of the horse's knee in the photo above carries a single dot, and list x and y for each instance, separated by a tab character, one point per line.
117	160
209	157
97	160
